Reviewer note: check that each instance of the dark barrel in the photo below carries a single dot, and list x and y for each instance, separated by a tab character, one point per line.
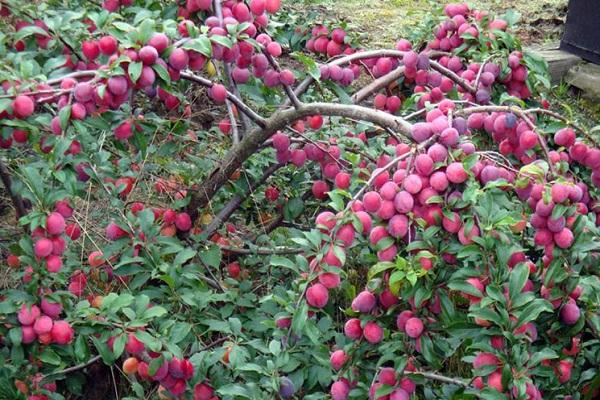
582	31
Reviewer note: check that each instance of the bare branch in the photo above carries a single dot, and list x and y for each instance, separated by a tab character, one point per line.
232	86
361	55
237	200
377	84
74	368
476	85
252	142
261	250
441	378
455	78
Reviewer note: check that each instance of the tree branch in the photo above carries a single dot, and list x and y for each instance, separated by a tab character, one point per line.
261	250
522	115
237	200
252	142
232	86
377	84
441	378
74	368
15	198
241	106
361	55
288	90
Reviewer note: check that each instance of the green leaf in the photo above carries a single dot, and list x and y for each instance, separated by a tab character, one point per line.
396	280
280	261
135	70
49	356
512	17
300	318
114	303
465	287
383	391
311	66
162	73
119	345
293	208
200	44
492	394
275	347
211	256
179	331
15	336
518	278
154	312
150	341
29	31
540	355
63	116
145	30
222	40
533	310
185	255
379	267
122	26
103	350
155	364
234	390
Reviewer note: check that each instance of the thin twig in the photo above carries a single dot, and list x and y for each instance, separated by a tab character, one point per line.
241	106
288	90
74	368
263	251
441	378
478	77
519	112
565	120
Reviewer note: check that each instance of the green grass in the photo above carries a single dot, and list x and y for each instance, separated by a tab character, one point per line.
383	22
380	23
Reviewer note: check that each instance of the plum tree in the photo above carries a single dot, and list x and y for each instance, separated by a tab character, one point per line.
245	217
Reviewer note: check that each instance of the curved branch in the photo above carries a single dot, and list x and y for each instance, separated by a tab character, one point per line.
453	76
442	378
361	55
522	114
232	87
74	368
252	142
74	75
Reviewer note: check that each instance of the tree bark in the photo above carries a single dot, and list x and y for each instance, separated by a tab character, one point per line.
252	142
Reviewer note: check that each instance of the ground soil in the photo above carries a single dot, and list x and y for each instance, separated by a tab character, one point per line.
383	22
